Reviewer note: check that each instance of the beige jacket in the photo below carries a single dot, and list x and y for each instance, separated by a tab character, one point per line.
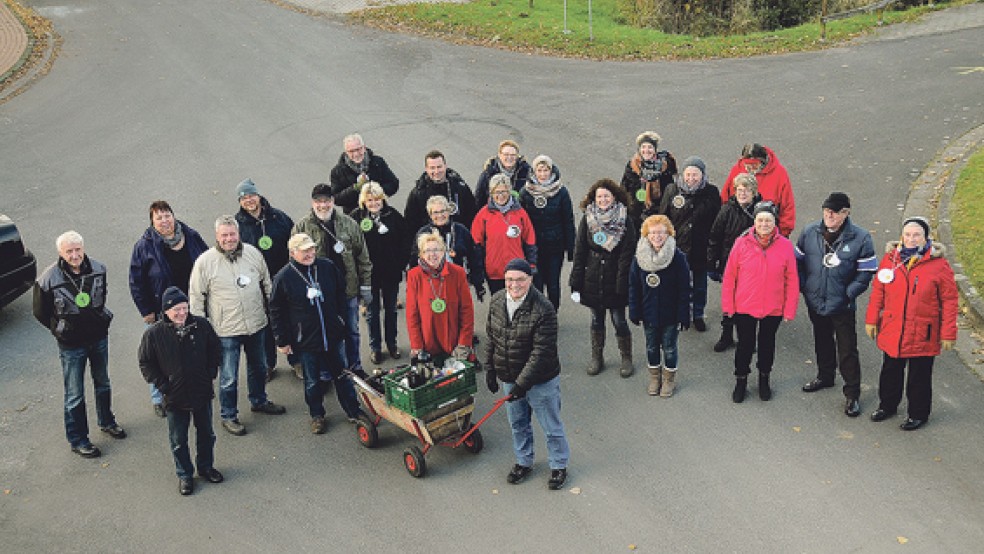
232	295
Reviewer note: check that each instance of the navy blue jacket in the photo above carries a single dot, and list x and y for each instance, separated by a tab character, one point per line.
834	290
553	223
149	273
272	223
308	325
667	304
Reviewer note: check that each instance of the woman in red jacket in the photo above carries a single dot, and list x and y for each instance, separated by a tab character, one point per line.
504	231
440	313
912	315
760	288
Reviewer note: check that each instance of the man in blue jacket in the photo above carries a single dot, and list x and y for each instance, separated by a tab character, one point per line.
163	257
836	260
308	307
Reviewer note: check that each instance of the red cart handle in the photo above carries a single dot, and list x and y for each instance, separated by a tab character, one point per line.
495	407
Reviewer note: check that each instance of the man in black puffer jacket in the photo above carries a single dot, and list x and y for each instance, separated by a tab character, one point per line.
522	352
180	355
356	166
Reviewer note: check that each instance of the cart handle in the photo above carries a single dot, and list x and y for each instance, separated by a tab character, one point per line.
495	407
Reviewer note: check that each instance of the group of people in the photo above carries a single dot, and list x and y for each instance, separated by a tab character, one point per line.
649	244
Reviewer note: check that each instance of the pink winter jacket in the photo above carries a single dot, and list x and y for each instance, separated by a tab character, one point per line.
760	281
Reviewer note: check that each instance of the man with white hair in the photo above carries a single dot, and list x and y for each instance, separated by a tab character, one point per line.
356	166
230	286
70	300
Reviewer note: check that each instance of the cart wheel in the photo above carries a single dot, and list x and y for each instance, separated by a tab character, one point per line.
366	429
413	458
474	442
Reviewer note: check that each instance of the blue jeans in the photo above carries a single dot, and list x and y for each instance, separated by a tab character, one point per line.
548	276
544	401
661	339
73	372
700	293
316	364
229	372
387	296
353	360
178	422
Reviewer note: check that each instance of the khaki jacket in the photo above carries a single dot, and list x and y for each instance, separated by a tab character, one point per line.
231	295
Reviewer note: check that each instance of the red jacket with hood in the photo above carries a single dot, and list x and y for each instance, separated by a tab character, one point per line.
773	184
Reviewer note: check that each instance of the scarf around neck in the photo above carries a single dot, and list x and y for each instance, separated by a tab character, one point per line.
650	259
649	170
176	239
360	167
429	270
610	221
507	172
546	190
906	255
504	208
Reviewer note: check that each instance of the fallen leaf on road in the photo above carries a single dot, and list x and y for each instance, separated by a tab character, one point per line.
105	465
495	491
632	547
846	435
576	490
937	459
6	491
902	540
797	429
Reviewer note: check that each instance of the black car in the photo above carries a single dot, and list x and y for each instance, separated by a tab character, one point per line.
18	268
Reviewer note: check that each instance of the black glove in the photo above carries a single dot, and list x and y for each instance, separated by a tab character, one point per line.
480	292
517	392
684	325
491	382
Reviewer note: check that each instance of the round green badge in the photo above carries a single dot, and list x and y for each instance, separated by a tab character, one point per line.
641	195
438	306
265	242
82	299
365	224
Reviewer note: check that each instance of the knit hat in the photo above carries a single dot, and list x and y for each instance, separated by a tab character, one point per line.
650	137
837	201
766	206
172	297
694	161
921	221
300	241
246	187
542	159
519	264
321	189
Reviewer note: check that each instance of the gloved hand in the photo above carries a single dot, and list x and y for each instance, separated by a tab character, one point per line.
871	330
714	276
684	325
491	382
517	392
480	292
461	353
947	344
365	295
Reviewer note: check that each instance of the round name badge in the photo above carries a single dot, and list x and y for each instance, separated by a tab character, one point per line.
652	280
831	260
265	242
365	224
383	229
886	276
243	281
513	231
438	306
313	293
540	201
599	238
339	248
82	299
453	208
678	201
576	297
641	195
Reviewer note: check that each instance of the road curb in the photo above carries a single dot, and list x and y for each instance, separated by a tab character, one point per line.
36	60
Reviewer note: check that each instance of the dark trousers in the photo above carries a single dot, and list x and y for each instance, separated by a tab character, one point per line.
751	331
618	321
835	341
548	275
918	386
495	285
178	422
382	308
319	367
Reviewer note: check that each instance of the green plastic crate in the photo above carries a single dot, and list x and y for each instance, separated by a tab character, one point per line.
423	400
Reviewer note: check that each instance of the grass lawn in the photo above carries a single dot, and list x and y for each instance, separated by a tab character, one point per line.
511	24
968	219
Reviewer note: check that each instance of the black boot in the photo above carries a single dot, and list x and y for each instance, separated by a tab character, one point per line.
765	391
727	336
741	385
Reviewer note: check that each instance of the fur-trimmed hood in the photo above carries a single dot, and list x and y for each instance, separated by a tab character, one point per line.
936	250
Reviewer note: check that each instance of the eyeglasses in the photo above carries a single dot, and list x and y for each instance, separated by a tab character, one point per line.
500	193
354	150
434	251
439	212
517	279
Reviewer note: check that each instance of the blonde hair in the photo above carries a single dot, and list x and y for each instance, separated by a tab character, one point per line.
371	189
508	142
433	236
655	220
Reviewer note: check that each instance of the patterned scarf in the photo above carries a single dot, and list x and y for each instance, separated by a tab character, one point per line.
176	239
429	270
610	221
649	170
507	172
909	256
360	167
651	259
546	190
504	208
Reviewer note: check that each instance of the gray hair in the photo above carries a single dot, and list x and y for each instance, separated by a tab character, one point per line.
746	180
67	238
436	201
226	220
354	137
498	180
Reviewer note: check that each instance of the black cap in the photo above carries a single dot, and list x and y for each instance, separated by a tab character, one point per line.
321	189
921	221
765	206
837	201
172	297
519	264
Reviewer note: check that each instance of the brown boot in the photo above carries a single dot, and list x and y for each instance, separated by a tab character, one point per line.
669	382
625	349
597	352
655	380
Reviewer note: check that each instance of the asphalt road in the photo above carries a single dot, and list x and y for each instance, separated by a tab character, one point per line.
181	100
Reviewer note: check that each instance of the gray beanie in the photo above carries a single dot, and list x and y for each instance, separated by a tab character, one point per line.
694	161
246	187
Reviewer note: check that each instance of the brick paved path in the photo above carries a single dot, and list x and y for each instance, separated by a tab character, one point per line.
13	39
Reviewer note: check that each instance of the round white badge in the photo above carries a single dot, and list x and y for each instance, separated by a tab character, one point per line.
243	281
652	280
886	276
313	293
383	229
831	260
576	297
453	208
678	201
513	231
339	248
540	201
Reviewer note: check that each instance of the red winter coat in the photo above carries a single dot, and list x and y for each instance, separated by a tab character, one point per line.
918	309
438	334
774	185
760	281
489	231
